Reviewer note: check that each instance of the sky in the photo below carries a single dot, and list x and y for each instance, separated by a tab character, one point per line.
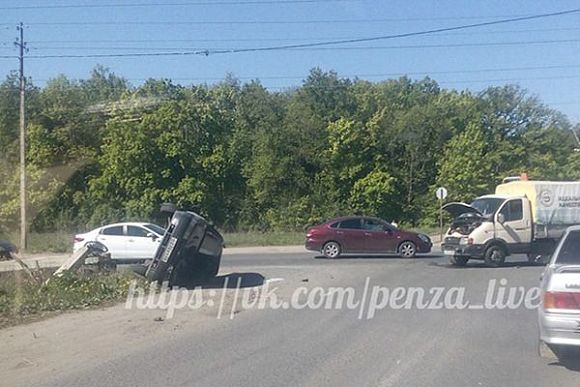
540	55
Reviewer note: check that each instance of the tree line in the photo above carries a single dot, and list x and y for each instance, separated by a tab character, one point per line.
101	150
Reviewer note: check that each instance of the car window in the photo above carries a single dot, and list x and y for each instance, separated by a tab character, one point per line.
158	229
115	230
570	250
335	225
353	224
373	225
135	231
513	210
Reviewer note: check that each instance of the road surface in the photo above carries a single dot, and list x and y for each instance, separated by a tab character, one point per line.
297	347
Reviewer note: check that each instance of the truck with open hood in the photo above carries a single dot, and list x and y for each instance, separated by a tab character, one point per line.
522	217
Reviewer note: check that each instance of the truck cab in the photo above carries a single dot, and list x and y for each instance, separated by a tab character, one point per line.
490	228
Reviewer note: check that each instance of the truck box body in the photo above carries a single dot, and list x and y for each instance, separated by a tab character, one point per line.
555	205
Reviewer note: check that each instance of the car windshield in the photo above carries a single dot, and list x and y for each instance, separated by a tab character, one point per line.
487	206
157	229
569	253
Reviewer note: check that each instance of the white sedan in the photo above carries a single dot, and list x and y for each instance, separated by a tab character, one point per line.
125	241
559	314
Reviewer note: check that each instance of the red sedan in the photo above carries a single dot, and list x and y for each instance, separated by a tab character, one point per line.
357	234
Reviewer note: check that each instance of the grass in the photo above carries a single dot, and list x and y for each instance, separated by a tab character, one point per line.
271	238
50	242
61	242
22	299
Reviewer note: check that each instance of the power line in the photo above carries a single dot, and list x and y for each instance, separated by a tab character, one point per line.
408	34
180	4
320	44
255	22
315	44
465	81
394	74
359	77
211	51
281	39
503	19
444	45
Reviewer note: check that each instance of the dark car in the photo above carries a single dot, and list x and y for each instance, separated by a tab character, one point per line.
189	252
357	234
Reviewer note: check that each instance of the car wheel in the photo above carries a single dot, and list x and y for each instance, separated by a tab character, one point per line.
494	256
458	261
331	250
407	249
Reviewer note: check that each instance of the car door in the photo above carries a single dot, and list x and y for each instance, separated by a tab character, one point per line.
114	238
140	244
515	228
381	238
351	236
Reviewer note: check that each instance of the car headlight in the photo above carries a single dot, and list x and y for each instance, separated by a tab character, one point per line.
424	238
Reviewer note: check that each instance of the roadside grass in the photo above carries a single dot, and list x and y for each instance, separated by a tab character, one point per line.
50	242
61	242
272	238
22	299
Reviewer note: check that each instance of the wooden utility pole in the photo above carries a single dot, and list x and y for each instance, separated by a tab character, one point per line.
23	225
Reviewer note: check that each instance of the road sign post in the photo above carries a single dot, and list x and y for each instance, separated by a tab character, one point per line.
441	194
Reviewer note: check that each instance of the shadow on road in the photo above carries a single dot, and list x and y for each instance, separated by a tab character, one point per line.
376	256
234	280
569	360
482	265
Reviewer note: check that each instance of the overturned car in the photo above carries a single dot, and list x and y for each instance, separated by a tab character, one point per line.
190	251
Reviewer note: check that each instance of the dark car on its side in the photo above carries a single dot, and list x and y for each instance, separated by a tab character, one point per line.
359	234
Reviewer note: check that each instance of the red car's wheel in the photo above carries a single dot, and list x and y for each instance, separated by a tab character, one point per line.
331	250
407	249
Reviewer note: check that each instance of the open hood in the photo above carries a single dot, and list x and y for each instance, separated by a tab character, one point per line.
456	209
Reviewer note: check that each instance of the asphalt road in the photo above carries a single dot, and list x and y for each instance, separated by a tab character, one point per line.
299	347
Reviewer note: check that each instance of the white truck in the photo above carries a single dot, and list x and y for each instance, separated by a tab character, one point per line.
522	217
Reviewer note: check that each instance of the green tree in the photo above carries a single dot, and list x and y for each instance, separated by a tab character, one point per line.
466	169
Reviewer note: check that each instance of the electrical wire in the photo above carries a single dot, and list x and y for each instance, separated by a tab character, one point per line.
36	42
180	4
315	44
445	45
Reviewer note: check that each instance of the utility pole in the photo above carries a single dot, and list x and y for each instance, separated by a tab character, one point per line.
23	225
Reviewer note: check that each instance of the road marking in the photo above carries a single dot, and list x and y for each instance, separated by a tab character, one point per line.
395	376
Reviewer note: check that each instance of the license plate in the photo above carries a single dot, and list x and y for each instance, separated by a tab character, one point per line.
449	252
169	249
